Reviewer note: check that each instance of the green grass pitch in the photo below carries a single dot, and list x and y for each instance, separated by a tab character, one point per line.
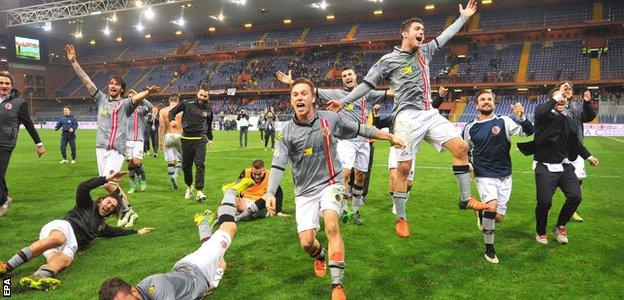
442	259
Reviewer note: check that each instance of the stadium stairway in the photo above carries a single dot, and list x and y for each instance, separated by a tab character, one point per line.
459	110
351	34
302	37
133	87
594	69
597	12
524	62
122	53
473	25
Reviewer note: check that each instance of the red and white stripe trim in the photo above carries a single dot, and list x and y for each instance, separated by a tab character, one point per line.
327	148
114	126
136	124
425	76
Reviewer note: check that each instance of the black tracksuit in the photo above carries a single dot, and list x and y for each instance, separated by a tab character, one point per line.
196	132
556	138
85	218
13	112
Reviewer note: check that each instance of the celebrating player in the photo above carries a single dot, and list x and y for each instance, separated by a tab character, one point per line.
407	71
195	275
113	113
135	136
353	153
196	131
169	138
309	141
488	139
59	240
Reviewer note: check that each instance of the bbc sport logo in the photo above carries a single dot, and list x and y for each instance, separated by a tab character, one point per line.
6	287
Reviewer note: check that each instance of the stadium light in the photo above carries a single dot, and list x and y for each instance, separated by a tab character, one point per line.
114	18
592	87
212	29
457	90
179	32
330	17
148	36
486	2
78	34
430	7
138	3
522	89
180	22
378	12
47	26
139	27
92	42
119	39
320	5
248	25
287	21
106	30
149	13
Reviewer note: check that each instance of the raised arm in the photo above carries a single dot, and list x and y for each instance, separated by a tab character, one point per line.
465	14
71	56
137	99
589	112
83	192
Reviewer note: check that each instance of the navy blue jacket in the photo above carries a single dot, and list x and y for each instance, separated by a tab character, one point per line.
66	122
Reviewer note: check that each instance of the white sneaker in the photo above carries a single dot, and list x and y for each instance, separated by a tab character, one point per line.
73	161
63	161
133	216
200	196
493	260
561	234
188	193
124	220
542	239
5	207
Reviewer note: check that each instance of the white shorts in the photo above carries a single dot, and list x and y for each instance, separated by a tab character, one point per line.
308	209
108	160
579	168
354	154
495	189
208	256
414	125
173	147
392	162
134	149
71	244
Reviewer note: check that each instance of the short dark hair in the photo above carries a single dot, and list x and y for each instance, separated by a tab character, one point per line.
112	286
118	198
67	106
406	24
556	88
258	164
174	97
348	68
484	91
204	87
9	76
302	80
120	81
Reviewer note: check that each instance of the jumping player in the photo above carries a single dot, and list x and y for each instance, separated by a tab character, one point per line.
415	119
488	139
59	240
309	141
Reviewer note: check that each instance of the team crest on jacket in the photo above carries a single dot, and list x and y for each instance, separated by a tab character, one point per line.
8	106
496	130
205	114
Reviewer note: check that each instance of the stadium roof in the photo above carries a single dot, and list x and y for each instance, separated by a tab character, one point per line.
200	15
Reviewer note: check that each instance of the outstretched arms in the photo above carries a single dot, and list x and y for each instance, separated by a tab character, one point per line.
71	56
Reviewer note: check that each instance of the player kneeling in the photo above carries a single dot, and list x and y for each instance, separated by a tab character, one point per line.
59	240
195	275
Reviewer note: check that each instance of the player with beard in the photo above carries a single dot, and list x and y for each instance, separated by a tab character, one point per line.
353	153
414	117
113	113
59	240
489	142
309	141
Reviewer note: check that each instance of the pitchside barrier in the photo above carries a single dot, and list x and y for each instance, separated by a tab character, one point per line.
590	129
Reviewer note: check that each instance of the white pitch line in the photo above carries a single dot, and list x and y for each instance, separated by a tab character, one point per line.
617	140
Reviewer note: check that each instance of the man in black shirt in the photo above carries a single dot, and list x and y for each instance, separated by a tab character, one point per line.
59	240
555	146
196	131
13	112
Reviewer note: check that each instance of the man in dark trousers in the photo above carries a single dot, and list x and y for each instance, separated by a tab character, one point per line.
243	126
13	112
68	124
196	131
555	146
